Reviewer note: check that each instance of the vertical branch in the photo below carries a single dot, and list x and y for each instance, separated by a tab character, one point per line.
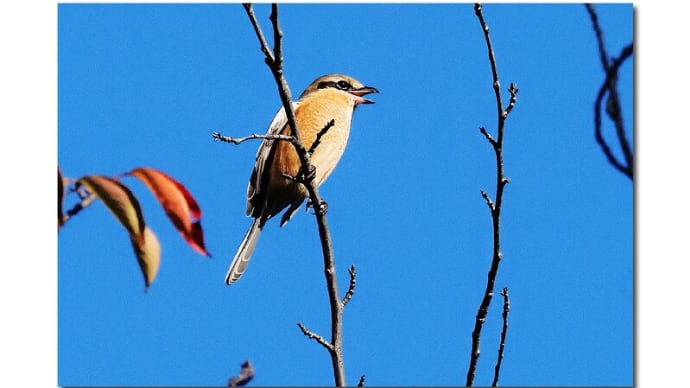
613	107
494	206
504	331
274	60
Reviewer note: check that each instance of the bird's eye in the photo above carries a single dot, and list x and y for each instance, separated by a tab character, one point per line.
343	85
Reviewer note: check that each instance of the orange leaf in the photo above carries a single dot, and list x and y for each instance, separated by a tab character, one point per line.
61	196
180	206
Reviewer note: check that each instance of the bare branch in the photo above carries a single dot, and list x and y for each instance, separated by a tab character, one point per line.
274	60
513	90
319	135
495	207
277	40
316	337
613	107
489	203
275	63
504	331
361	381
492	59
85	202
237	140
262	40
353	282
603	56
614	112
488	136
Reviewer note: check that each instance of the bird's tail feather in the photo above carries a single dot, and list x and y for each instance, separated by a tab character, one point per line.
244	252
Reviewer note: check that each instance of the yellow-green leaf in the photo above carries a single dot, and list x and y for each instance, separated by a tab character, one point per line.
119	200
148	252
125	206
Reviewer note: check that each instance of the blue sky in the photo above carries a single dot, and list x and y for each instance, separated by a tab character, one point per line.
146	85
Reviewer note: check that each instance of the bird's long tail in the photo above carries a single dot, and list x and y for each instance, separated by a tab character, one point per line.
244	252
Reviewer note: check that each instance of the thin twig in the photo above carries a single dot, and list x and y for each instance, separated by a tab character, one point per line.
85	202
487	135
603	56
316	337
513	90
319	135
494	68
353	282
495	207
504	331
486	197
259	34
217	136
613	107
275	63
613	110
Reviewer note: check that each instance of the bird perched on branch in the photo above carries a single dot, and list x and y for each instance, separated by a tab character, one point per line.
323	112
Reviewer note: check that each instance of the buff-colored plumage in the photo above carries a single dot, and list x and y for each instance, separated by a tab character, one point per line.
330	97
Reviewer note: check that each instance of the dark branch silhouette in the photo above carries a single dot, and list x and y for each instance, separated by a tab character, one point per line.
319	135
613	107
493	205
85	202
353	282
504	332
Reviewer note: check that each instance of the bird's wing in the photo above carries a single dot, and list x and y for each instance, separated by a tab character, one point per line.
255	189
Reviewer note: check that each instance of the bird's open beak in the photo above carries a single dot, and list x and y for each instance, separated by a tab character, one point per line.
363	91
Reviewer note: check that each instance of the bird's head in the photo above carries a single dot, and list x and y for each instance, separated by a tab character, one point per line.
344	83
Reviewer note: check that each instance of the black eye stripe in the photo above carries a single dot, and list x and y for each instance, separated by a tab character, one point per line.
342	85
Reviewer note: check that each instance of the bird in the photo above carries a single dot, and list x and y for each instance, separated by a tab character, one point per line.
323	110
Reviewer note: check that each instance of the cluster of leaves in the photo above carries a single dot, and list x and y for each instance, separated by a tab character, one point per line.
177	202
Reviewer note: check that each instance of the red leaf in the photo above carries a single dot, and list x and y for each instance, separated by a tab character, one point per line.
61	196
180	206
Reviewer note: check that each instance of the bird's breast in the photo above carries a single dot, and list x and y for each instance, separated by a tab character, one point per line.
313	115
